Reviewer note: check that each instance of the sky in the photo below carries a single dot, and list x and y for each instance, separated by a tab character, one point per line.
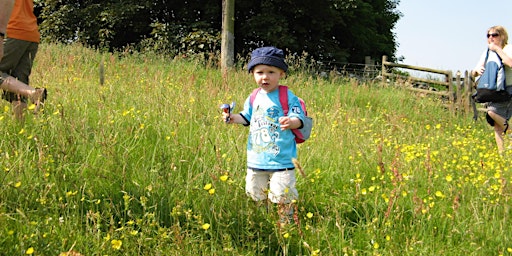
448	34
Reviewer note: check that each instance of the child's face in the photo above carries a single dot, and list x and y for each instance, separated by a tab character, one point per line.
267	77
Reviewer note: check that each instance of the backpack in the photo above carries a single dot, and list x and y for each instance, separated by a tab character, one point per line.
491	85
301	134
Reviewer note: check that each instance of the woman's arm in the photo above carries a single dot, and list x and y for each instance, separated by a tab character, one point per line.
505	58
5	14
480	66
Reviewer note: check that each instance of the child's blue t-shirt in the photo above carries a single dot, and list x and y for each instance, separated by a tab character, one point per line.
269	147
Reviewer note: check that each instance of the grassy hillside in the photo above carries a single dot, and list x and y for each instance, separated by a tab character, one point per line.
144	165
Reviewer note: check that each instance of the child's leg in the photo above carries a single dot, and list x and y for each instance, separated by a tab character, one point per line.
282	187
256	184
283	193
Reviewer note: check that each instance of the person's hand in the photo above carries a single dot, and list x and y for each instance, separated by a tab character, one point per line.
494	47
285	122
289	123
226	117
478	71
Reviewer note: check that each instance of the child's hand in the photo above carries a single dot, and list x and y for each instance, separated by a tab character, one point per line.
226	112
285	122
289	123
226	117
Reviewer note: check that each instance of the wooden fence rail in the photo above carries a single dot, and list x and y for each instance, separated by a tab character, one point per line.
459	88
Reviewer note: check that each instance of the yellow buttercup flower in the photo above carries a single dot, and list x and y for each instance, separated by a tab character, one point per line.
116	244
30	251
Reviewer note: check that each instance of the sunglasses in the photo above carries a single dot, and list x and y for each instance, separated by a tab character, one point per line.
493	35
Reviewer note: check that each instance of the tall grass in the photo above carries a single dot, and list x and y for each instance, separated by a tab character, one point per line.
143	165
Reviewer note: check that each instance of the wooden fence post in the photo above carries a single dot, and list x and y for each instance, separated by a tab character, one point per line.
467	92
460	89
451	96
384	60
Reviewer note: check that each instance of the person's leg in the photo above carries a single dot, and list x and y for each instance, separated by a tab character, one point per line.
20	67
283	192
500	124
256	184
282	187
11	84
18	107
14	50
22	72
23	69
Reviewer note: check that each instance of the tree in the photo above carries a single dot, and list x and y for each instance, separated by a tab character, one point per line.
332	31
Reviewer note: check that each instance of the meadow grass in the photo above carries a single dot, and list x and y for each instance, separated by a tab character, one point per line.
144	165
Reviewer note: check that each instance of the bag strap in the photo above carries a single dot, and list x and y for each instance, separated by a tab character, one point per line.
487	57
253	95
283	97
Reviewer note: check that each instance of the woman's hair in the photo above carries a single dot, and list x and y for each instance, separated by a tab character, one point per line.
503	33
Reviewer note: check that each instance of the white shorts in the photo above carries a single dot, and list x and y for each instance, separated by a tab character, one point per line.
277	186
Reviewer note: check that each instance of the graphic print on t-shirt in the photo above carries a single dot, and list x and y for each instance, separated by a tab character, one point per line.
264	130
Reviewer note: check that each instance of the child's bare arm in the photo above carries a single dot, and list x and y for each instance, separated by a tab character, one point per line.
233	118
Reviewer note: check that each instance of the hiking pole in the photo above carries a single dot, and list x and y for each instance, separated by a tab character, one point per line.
226	108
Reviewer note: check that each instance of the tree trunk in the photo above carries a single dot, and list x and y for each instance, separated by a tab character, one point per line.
228	36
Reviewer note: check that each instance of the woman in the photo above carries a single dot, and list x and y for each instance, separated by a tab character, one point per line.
498	113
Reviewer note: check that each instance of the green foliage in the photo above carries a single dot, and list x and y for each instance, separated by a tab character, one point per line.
144	165
329	31
110	24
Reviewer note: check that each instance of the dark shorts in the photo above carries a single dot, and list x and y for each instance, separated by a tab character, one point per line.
17	61
504	109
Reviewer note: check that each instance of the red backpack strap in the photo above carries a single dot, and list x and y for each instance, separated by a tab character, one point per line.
283	98
253	95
